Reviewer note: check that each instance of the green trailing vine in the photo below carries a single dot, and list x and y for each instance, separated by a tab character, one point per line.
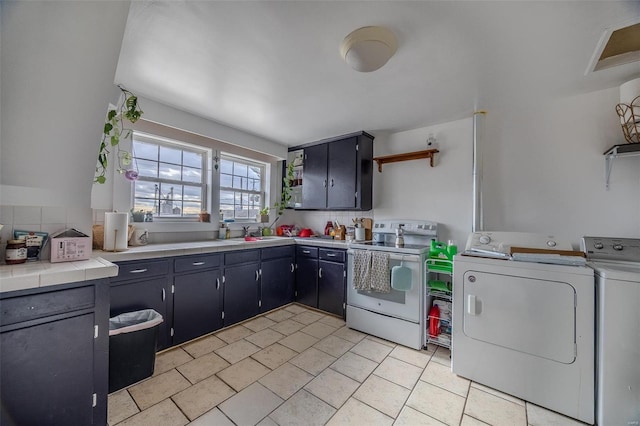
285	198
113	132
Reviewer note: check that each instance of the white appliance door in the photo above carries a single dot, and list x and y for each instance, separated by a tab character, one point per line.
399	304
532	316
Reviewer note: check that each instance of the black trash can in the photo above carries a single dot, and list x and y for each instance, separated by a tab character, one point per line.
132	347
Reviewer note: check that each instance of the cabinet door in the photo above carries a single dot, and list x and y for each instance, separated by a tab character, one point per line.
331	287
341	183
197	306
277	283
307	281
47	373
241	292
314	179
147	294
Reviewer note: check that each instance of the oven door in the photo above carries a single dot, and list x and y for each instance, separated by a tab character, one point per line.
399	304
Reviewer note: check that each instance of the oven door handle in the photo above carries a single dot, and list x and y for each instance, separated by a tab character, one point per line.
399	256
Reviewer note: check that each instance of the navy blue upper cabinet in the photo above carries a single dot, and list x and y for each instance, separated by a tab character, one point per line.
338	173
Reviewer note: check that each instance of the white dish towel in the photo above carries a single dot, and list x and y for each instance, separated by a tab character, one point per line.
371	271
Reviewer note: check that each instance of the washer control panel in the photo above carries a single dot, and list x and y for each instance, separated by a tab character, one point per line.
501	242
606	248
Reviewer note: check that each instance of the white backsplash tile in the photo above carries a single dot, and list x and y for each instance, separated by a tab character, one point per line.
27	215
54	215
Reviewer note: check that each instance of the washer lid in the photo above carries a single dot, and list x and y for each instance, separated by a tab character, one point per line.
621	271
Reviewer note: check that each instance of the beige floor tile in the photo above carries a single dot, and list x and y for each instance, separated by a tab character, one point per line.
348	334
441	376
494	410
211	418
234	334
163	414
274	356
287	327
170	359
319	330
303	409
373	350
157	388
354	366
237	351
399	372
242	374
538	416
442	355
286	380
258	324
203	367
497	393
313	361
251	405
332	387
267	422
203	346
438	403
356	413
279	315
333	321
307	318
470	421
382	341
265	338
120	406
417	358
296	309
382	394
202	397
334	346
410	417
298	341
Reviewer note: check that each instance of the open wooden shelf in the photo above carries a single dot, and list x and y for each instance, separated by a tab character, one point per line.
417	155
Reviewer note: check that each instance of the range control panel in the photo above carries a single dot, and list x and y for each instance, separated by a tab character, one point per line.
606	248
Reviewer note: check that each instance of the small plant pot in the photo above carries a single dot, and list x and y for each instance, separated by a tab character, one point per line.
138	216
262	218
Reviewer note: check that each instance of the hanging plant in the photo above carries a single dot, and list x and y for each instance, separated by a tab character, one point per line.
113	132
285	198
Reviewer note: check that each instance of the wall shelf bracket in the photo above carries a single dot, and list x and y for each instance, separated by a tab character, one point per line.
429	153
623	150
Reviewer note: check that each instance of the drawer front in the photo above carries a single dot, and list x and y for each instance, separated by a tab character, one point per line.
196	263
276	252
141	270
242	256
307	251
332	255
24	308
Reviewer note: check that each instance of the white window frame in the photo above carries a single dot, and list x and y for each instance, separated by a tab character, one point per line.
205	183
263	183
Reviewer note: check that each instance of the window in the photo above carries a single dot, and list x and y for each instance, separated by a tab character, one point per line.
241	187
171	177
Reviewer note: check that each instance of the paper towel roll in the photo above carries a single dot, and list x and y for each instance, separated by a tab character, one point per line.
629	91
116	226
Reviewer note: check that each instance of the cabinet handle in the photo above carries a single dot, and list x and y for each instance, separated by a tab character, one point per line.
324	183
320	273
198	263
138	271
292	268
332	183
164	295
217	283
306	251
257	275
331	255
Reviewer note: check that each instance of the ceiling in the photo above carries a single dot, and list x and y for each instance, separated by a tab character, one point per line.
273	68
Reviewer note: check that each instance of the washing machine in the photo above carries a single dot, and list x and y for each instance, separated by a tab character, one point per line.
616	262
526	327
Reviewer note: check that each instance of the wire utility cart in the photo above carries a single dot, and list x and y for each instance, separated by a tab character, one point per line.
439	277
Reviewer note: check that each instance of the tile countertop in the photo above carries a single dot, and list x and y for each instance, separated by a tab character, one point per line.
43	273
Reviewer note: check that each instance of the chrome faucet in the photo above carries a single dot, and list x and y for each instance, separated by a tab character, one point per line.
246	231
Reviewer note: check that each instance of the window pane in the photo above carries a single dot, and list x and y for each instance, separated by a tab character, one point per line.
192	159
192	193
240	169
144	205
145	150
169	171
190	174
226	166
147	168
239	182
255	172
226	181
170	155
226	197
145	189
192	208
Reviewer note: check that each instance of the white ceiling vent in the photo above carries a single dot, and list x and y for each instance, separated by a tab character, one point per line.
618	46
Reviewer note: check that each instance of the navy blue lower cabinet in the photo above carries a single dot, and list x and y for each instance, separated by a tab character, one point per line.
241	292
331	287
307	281
277	283
54	355
197	305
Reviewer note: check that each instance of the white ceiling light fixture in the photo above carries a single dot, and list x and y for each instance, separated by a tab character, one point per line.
368	48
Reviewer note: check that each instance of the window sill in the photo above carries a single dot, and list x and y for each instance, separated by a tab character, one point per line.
163	226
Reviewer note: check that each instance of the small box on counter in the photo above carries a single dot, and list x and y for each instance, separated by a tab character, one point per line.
70	245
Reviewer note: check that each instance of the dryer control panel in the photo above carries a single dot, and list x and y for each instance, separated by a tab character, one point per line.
500	243
606	248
